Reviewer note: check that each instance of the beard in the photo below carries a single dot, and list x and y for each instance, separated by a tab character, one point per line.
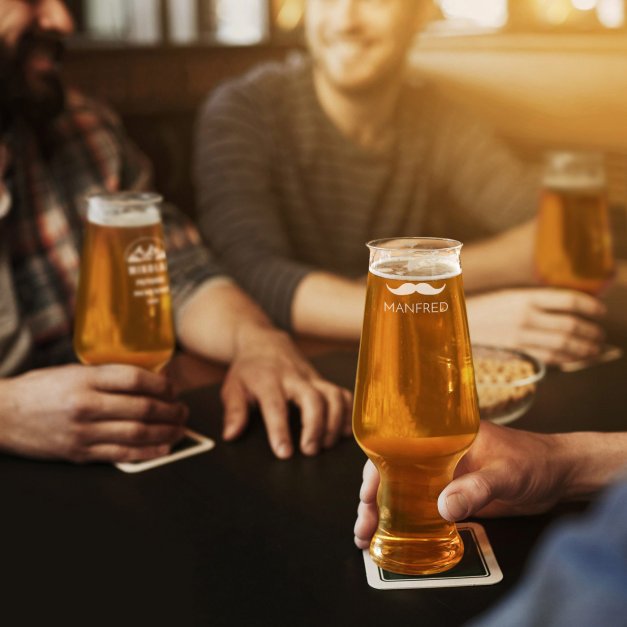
37	100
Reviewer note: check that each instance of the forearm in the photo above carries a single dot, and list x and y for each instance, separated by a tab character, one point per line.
219	320
329	306
590	461
502	261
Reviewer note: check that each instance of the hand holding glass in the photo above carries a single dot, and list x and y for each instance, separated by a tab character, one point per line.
416	409
574	244
123	313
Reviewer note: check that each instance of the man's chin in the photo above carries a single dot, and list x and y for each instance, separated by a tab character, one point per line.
352	85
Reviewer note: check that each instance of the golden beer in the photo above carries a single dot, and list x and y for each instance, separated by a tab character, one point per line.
574	244
415	410
123	312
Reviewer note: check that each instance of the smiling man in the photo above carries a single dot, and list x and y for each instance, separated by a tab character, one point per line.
299	164
56	146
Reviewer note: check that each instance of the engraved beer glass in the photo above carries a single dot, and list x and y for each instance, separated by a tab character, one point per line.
415	412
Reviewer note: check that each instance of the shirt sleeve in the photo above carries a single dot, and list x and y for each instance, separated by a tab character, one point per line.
238	207
190	262
489	188
579	575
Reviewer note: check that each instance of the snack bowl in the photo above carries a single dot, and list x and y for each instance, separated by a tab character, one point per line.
506	380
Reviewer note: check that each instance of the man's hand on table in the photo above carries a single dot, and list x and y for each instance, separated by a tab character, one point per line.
269	371
506	472
555	325
89	413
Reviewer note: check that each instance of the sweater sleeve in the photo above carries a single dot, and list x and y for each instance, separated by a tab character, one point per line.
489	187
239	208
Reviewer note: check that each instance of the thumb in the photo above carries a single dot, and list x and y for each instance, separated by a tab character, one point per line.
470	493
235	404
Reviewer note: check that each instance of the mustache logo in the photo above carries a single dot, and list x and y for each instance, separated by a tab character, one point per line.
415	288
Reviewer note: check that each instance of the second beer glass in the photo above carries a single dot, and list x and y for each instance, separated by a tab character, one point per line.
123	313
416	409
574	244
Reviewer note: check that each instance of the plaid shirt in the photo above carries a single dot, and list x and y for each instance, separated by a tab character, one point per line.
90	153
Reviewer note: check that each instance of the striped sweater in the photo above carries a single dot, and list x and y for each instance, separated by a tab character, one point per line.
281	192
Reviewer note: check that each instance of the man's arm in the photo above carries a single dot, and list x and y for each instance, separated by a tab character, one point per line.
239	210
220	322
578	576
505	260
328	305
510	472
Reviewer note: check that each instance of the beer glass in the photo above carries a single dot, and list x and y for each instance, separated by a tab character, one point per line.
123	312
415	412
574	245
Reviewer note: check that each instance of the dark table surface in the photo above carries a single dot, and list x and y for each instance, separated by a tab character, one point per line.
235	537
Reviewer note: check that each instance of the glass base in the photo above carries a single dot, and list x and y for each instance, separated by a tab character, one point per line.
417	556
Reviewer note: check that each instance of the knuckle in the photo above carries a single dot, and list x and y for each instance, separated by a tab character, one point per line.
134	378
79	405
314	398
481	487
335	397
572	326
78	454
145	408
122	454
564	343
138	432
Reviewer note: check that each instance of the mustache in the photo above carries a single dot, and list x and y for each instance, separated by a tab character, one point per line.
415	288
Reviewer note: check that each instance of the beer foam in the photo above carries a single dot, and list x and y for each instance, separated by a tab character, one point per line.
124	217
414	269
570	182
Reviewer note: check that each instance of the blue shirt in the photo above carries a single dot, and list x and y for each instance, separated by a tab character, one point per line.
578	577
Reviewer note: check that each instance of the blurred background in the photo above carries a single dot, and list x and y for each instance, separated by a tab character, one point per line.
545	73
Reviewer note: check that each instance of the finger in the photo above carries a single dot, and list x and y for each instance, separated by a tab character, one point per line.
131	433
273	407
122	378
559	343
366	524
336	412
116	453
470	493
569	300
313	410
106	407
572	325
348	405
235	401
370	484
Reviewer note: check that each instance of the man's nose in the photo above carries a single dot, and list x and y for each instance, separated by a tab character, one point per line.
347	13
53	15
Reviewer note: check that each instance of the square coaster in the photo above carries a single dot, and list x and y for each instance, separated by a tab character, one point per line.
192	443
477	568
608	353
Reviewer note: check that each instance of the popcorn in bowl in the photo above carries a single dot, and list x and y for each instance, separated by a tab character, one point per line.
506	382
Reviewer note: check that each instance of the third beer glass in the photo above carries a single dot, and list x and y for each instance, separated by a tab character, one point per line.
574	247
123	313
416	408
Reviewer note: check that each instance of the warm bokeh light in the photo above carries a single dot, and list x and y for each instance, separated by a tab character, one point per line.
584	5
288	13
490	13
611	13
554	12
241	21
